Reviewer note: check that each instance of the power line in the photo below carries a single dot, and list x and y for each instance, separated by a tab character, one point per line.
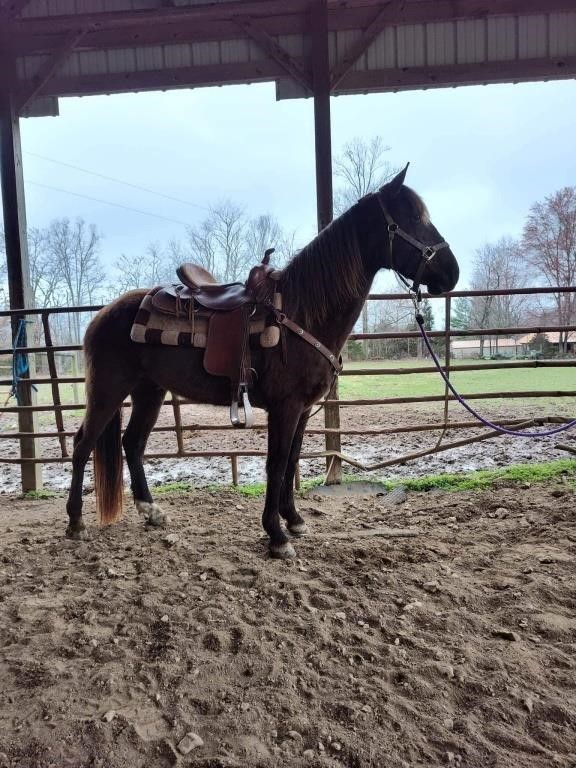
119	181
107	202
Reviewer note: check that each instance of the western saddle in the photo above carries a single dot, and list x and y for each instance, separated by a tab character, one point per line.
231	309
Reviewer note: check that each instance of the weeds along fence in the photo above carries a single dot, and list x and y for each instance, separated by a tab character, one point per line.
58	369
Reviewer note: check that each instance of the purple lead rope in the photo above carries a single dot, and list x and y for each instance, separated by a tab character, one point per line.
503	430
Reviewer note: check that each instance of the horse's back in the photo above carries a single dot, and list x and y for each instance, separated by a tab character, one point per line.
116	317
107	337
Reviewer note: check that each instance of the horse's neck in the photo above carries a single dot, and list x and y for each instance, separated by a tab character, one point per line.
337	290
334	331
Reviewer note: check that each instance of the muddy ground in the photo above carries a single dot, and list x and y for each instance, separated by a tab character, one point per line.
452	646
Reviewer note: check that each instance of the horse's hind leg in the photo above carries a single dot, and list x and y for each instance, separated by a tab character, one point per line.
288	511
283	420
80	456
147	399
96	420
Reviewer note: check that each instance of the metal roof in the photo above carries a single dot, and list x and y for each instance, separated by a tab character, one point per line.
76	47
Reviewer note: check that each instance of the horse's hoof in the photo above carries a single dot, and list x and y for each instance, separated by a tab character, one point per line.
76	532
282	551
298	529
153	514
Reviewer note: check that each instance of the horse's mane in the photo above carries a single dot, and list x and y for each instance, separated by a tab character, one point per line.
324	275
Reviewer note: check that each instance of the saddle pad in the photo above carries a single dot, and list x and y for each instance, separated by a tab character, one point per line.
152	327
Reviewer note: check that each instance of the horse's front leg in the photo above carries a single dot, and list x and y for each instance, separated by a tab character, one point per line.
288	511
283	419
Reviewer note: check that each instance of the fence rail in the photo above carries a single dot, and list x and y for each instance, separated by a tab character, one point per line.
182	429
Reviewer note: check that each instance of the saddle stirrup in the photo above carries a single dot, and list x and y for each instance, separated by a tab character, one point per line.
242	403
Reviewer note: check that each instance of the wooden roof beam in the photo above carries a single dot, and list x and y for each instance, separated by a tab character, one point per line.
275	51
412	12
51	66
150	80
163	14
358	81
11	9
356	50
187	24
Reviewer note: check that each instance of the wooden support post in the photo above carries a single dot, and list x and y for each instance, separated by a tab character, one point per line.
12	182
234	466
322	127
324	194
178	423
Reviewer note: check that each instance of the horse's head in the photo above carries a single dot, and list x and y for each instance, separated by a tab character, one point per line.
412	245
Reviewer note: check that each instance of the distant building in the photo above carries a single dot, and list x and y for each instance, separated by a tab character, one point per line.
528	345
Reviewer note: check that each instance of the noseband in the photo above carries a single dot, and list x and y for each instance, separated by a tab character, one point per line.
427	251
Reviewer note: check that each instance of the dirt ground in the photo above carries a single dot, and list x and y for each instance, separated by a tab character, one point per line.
452	646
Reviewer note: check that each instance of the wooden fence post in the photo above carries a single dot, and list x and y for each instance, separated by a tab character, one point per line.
14	209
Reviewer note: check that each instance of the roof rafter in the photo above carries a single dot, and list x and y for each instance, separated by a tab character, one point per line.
166	14
181	77
275	50
356	50
217	21
11	9
47	71
458	74
410	12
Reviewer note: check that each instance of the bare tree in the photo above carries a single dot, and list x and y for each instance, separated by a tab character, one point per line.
361	168
144	272
200	247
72	249
391	316
218	243
265	232
550	241
45	271
500	265
227	243
229	234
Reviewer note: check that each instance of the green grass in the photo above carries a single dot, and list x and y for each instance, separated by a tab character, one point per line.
254	489
467	481
44	493
518	473
467	382
471	481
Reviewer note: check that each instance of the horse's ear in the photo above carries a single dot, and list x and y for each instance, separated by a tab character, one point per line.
394	186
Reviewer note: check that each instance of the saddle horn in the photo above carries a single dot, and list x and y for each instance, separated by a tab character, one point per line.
267	253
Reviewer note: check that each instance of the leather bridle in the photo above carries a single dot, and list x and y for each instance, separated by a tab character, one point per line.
428	252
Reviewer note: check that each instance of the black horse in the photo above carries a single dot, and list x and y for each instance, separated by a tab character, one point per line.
323	290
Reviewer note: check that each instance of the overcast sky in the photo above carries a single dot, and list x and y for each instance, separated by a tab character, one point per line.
480	156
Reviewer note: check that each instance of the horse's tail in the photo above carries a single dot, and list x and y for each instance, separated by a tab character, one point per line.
108	472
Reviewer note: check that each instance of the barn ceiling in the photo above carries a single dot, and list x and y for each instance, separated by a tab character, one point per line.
79	47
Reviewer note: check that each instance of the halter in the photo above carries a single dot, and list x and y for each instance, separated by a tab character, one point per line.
427	251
